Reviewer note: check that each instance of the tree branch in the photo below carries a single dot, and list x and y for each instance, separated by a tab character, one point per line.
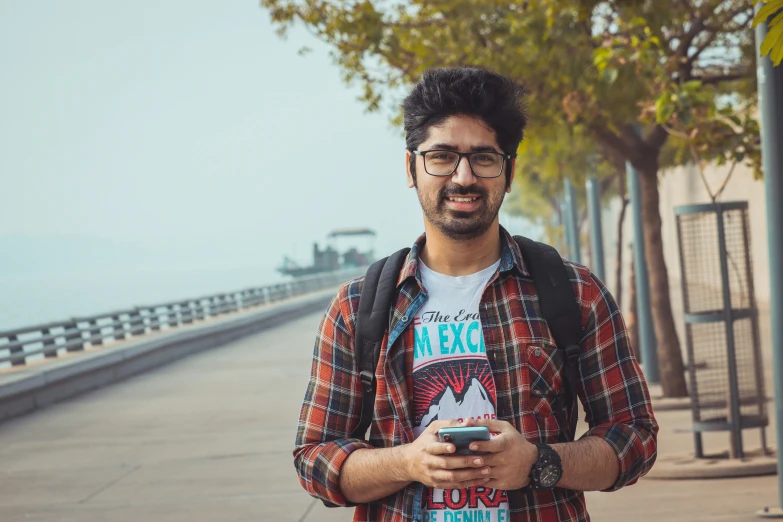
687	5
692	10
611	140
605	183
722	26
613	156
589	33
687	39
701	48
731	15
714	80
635	137
657	137
725	181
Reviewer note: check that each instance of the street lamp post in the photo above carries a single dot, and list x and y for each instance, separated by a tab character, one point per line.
770	85
596	232
572	223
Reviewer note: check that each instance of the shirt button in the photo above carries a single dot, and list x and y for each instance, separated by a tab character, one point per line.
538	352
404	318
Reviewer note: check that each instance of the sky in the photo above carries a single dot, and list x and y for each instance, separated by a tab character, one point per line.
180	138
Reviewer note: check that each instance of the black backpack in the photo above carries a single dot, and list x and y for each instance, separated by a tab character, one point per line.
556	298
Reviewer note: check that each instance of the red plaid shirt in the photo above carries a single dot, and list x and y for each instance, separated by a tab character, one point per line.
528	370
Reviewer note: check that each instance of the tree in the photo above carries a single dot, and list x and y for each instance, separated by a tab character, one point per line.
689	65
552	154
683	71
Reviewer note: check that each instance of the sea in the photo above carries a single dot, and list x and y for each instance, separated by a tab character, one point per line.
38	298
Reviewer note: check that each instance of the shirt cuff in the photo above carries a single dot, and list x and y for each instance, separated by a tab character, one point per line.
320	465
635	449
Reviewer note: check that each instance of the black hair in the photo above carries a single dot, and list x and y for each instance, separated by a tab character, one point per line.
468	91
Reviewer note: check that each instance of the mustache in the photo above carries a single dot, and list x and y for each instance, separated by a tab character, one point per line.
458	190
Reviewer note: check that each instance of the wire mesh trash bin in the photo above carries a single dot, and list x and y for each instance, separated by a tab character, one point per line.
721	323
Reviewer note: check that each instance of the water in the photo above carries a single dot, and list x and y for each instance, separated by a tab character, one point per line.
54	278
35	298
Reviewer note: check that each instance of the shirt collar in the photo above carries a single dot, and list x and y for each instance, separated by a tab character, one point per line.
510	258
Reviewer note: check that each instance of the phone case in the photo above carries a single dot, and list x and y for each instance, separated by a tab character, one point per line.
461	437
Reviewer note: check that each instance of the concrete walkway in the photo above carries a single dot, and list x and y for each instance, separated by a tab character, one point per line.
210	438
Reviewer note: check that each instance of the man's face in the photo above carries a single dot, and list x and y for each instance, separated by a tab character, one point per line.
462	206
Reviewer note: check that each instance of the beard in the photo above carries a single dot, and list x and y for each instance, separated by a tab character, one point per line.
459	225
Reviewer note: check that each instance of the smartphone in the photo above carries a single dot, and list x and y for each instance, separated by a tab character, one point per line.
462	436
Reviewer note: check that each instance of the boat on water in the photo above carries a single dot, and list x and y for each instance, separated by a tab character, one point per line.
331	258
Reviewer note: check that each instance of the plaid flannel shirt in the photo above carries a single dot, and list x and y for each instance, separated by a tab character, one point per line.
529	376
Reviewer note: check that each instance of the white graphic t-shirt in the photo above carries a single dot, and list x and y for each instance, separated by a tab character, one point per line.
452	379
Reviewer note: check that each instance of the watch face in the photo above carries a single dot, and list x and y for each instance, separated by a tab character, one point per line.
549	476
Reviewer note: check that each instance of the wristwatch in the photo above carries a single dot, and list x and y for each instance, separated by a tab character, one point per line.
548	469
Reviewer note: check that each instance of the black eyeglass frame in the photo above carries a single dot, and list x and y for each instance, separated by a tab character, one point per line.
460	155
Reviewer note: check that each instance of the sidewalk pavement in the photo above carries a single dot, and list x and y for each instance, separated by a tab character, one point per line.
209	438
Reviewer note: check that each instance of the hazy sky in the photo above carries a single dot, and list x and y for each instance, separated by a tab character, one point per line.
184	131
149	120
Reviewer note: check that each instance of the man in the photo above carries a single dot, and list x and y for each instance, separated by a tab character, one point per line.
468	345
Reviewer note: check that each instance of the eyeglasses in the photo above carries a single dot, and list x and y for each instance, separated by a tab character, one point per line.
445	162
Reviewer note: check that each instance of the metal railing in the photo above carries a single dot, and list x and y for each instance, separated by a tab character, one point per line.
49	341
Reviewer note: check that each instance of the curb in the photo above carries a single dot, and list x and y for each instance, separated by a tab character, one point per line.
687	467
671	403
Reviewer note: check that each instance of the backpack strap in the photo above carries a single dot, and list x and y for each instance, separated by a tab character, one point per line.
378	297
561	312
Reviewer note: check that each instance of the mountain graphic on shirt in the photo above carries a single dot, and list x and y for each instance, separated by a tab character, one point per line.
474	400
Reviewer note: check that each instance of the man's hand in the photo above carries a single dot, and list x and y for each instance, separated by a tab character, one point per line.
509	455
434	464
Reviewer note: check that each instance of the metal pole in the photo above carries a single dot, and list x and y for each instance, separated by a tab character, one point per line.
570	199
566	222
735	415
596	232
698	445
770	85
647	340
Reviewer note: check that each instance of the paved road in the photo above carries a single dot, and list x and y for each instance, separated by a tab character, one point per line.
209	439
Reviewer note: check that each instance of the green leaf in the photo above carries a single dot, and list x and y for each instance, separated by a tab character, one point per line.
769	8
773	42
777	53
686	116
663	108
601	57
771	39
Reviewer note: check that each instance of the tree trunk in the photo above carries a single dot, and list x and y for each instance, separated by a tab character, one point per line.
630	319
672	371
